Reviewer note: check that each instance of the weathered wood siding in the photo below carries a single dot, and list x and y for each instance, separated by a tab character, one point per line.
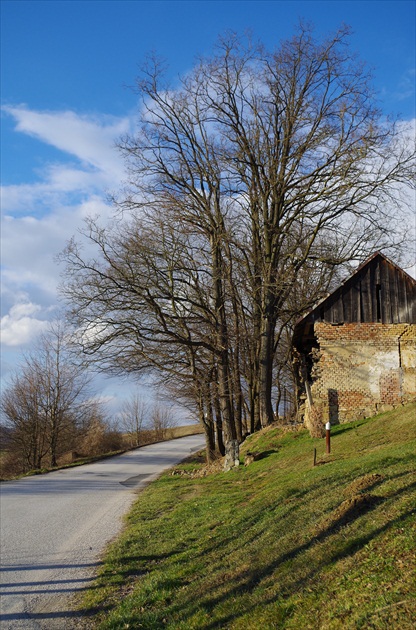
378	292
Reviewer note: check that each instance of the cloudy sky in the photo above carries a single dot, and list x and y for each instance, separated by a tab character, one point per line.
66	68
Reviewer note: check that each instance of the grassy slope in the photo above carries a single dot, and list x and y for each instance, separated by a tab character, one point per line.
277	544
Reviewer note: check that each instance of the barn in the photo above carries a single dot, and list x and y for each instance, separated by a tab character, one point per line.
355	352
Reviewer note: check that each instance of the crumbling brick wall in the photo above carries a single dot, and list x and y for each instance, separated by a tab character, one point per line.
362	369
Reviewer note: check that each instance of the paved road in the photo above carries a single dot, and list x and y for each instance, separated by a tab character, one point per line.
54	527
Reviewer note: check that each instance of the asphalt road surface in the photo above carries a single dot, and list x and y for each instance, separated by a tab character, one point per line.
54	528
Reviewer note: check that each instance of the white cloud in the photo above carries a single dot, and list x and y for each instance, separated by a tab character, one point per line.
30	245
91	139
20	326
406	85
39	218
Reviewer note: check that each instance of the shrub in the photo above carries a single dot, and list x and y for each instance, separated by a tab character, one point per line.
100	439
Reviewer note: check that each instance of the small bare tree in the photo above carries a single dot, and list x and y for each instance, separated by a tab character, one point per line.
161	420
133	416
28	435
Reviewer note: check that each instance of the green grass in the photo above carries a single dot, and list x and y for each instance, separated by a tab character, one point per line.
277	544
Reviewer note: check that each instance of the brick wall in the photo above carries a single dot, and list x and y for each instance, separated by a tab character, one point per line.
362	369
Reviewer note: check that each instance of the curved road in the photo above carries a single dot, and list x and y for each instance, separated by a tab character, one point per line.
54	527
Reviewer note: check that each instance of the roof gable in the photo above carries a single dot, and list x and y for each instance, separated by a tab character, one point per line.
378	291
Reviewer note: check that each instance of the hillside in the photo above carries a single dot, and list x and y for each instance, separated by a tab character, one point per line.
277	544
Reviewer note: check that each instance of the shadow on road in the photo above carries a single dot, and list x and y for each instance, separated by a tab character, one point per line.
56	609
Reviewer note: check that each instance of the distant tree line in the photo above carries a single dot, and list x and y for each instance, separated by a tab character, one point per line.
47	407
50	416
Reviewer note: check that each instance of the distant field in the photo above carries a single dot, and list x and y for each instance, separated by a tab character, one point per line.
280	543
190	429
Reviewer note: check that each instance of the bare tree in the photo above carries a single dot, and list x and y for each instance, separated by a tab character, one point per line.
286	150
161	419
312	163
134	416
260	170
28	436
47	401
151	293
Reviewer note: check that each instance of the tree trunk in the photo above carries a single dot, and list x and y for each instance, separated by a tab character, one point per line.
266	374
206	420
219	427
222	344
53	443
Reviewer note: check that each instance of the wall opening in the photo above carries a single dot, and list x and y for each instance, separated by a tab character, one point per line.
333	406
378	301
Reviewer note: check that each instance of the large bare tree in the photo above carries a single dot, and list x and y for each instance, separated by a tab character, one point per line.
257	171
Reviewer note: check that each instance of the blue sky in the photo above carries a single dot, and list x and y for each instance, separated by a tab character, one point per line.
65	71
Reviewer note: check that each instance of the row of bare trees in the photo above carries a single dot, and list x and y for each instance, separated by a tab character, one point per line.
142	421
250	183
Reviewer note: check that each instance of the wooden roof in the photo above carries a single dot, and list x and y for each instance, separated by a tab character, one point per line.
378	291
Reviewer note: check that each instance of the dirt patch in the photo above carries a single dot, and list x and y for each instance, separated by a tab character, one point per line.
362	484
346	512
197	473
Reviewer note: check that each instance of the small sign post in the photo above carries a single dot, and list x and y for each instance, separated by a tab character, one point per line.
328	437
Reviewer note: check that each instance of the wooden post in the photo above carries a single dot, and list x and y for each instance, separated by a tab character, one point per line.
328	437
